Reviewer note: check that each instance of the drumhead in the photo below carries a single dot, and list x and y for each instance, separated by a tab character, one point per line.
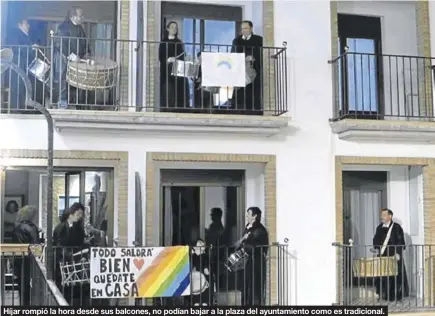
199	282
100	64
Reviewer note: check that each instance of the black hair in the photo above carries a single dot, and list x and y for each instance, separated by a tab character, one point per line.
255	211
165	31
73	209
10	203
251	25
216	213
390	212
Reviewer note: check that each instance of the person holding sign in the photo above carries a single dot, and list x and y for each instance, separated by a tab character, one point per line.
248	100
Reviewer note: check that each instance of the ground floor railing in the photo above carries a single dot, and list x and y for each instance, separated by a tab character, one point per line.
403	277
24	281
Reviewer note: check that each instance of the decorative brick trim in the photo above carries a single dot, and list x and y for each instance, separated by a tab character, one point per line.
428	165
269	194
423	43
120	160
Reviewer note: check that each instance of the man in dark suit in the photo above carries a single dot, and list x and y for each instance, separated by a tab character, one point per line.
255	242
21	44
389	241
71	45
248	100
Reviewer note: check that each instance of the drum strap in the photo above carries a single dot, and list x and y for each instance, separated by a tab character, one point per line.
387	239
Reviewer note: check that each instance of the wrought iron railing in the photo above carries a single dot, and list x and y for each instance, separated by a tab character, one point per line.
97	74
370	86
403	278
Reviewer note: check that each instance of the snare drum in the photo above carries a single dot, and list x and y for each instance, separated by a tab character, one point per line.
237	261
39	68
199	283
99	73
186	69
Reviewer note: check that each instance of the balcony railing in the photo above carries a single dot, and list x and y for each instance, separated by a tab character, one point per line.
135	76
395	87
24	281
265	280
405	282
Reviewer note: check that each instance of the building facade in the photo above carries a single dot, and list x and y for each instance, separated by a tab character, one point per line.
347	129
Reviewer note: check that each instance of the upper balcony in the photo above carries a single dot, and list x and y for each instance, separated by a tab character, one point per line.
377	96
133	87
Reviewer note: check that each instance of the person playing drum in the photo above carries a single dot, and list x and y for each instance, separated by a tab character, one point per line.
202	294
72	48
255	242
174	91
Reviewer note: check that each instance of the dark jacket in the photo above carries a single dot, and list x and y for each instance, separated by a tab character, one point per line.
22	48
258	237
396	244
252	47
76	44
25	233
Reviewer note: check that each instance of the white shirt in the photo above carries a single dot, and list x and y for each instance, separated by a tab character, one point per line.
247	38
171	37
249	226
386	225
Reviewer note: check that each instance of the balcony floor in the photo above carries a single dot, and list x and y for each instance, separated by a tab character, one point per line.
409	304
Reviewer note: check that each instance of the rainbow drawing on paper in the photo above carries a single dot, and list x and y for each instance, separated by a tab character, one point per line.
224	61
168	274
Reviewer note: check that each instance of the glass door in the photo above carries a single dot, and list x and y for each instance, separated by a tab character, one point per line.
361	76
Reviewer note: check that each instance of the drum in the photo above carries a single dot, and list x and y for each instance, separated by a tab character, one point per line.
186	69
251	74
199	283
237	261
76	272
375	267
40	67
99	73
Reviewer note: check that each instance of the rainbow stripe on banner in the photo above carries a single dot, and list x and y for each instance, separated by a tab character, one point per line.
168	274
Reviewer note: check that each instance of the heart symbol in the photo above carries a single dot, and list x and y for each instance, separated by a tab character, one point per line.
138	263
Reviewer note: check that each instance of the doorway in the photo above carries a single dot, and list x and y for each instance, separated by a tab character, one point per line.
187	197
361	69
364	195
209	28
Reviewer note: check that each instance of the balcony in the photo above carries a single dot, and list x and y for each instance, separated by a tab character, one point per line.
365	281
127	85
386	97
212	281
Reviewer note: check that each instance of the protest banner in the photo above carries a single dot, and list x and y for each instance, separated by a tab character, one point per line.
144	272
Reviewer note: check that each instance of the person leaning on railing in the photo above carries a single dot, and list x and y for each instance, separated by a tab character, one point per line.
25	232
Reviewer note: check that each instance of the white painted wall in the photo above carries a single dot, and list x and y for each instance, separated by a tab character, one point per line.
305	159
